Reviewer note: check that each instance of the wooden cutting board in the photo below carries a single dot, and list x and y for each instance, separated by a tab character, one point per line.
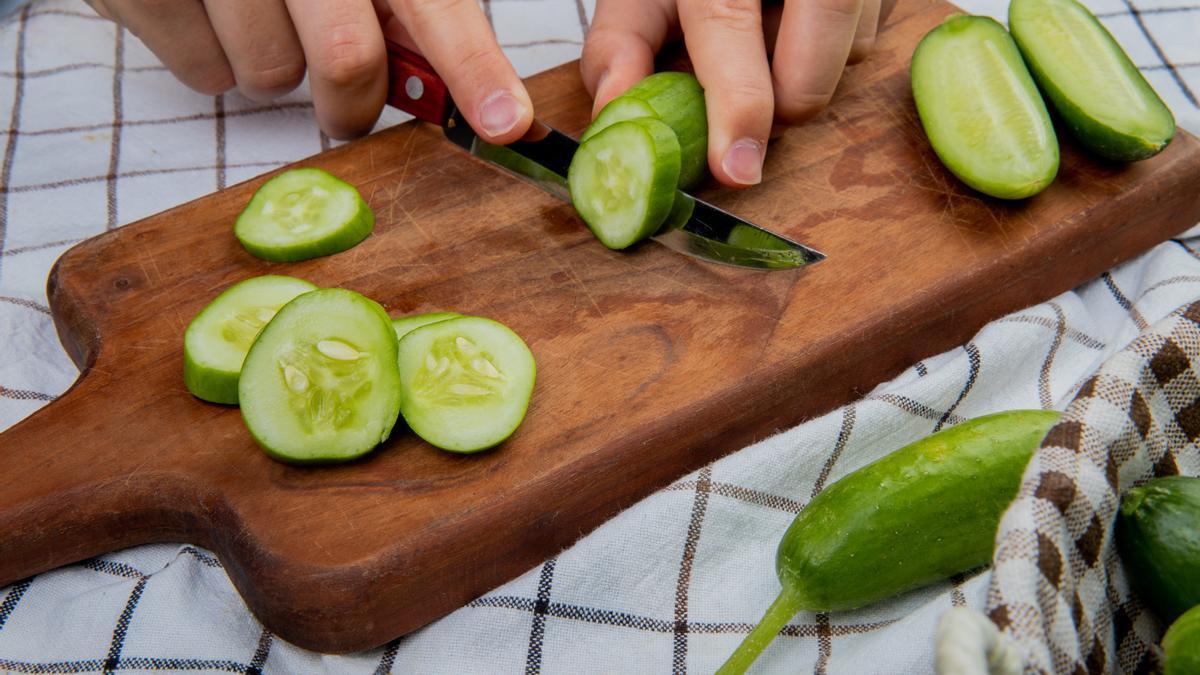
651	364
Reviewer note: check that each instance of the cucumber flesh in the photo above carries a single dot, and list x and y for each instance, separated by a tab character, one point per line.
622	180
302	214
1181	645
981	110
320	383
466	382
407	324
1089	80
216	341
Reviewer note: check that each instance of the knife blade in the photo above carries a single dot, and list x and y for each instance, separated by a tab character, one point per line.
543	157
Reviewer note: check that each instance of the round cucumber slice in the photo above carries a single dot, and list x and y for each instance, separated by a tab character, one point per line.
981	110
216	341
320	384
407	324
622	180
466	382
302	214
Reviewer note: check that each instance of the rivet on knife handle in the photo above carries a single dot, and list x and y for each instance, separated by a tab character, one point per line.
415	88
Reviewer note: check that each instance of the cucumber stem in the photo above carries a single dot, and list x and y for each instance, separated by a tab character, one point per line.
778	614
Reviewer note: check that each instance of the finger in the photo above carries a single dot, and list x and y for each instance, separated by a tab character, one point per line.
347	65
621	44
885	11
458	41
264	68
725	41
810	54
179	34
864	35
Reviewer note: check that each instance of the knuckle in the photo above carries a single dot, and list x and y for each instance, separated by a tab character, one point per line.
477	59
347	61
734	14
840	10
801	106
274	77
210	81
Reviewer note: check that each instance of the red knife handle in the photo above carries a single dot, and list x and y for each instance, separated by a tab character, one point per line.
415	88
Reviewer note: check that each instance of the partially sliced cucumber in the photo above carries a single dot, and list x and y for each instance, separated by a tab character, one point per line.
407	324
981	110
1089	80
216	341
466	382
302	214
320	383
622	180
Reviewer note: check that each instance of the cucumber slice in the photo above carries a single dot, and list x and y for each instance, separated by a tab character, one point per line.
674	98
622	180
216	341
1089	80
407	324
466	382
981	110
302	214
320	383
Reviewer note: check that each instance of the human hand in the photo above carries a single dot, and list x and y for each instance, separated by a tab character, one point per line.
264	47
728	42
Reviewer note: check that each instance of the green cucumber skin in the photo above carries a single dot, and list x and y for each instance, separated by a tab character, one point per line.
219	387
358	229
1158	537
1100	138
988	185
407	324
1181	645
678	99
919	515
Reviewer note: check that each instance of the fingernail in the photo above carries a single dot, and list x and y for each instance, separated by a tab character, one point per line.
500	112
743	161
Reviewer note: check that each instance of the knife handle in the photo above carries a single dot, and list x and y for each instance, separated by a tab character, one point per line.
415	88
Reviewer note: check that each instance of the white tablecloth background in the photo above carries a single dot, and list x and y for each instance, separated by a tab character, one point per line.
99	136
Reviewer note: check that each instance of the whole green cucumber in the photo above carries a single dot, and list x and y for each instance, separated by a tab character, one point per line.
1181	644
918	515
1158	537
675	98
1089	80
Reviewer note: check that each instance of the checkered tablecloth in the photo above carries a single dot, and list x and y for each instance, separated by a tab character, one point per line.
99	135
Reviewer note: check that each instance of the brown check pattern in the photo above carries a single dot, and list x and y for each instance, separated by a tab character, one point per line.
97	134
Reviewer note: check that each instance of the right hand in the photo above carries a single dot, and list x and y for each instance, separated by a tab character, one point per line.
264	48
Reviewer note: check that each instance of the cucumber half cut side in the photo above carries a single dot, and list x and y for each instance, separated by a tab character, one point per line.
466	382
216	341
302	214
320	384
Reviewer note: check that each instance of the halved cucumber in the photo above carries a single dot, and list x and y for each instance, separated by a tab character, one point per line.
320	383
622	180
466	382
1089	80
302	214
216	341
981	110
407	324
674	98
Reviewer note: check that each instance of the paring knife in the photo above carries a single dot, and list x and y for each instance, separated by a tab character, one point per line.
544	154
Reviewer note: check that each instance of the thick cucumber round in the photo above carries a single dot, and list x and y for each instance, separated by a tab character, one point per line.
622	180
674	98
1088	79
981	110
320	383
1181	645
466	382
407	324
302	214
216	341
1158	537
916	516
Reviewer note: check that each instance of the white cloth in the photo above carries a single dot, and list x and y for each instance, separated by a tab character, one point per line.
670	584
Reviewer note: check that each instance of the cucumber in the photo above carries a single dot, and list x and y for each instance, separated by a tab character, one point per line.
981	110
320	383
1181	645
407	324
1089	81
1158	537
622	180
302	214
918	515
466	382
216	341
674	98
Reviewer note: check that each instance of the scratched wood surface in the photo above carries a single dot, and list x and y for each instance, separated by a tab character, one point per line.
650	364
